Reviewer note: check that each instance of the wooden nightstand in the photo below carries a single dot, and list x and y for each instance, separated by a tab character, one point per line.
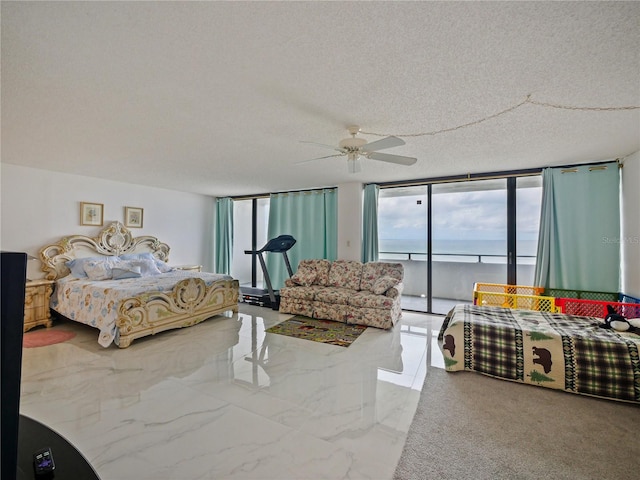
193	268
36	303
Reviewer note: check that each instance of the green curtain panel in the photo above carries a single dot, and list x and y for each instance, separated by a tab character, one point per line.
311	217
224	235
579	238
370	223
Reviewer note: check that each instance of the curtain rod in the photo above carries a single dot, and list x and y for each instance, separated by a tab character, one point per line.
267	195
592	164
462	178
490	175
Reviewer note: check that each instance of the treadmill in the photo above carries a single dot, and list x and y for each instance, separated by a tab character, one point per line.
268	297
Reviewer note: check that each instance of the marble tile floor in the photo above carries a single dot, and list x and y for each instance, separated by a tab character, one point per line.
225	400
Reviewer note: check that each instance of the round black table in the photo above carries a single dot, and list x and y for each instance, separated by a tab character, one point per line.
70	464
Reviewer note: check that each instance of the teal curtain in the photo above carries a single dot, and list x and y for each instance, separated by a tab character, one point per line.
311	217
579	237
370	223
224	235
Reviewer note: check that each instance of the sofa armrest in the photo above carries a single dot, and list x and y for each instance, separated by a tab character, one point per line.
395	292
290	283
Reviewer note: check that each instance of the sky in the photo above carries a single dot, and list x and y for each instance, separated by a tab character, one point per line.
475	215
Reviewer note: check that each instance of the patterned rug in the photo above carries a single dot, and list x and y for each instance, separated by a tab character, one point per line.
44	337
324	331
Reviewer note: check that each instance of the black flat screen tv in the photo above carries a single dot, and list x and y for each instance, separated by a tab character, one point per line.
13	268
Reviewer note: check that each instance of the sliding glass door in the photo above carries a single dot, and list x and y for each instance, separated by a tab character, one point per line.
451	235
469	236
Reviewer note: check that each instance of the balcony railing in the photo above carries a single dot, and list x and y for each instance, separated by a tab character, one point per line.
453	257
454	274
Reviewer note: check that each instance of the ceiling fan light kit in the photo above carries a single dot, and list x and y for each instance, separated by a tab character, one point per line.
353	163
354	148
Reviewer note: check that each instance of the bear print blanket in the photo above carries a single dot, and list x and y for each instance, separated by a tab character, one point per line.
552	350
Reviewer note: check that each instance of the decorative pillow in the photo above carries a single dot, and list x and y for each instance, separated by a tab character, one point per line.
124	270
383	284
147	267
304	277
163	267
318	266
77	265
160	265
99	269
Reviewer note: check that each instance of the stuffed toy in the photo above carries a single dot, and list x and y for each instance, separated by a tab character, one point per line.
620	323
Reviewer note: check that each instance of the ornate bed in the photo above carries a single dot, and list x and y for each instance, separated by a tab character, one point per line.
554	350
124	309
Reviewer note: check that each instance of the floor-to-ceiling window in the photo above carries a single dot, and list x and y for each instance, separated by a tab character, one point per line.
402	236
250	221
449	235
528	201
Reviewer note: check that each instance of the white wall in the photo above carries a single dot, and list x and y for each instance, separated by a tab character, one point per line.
39	207
350	221
631	225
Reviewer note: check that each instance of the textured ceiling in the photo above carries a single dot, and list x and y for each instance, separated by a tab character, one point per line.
216	97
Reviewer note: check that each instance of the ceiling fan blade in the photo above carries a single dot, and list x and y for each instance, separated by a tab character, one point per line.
332	147
381	144
385	157
319	158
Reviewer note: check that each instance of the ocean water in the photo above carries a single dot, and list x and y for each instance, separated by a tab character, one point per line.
455	250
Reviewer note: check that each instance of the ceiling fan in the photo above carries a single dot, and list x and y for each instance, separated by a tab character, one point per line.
354	148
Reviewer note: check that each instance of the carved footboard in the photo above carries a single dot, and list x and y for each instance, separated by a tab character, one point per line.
190	302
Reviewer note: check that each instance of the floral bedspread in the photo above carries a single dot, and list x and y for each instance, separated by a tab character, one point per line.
96	303
553	350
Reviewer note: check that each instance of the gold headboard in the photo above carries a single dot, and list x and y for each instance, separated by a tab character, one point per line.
116	239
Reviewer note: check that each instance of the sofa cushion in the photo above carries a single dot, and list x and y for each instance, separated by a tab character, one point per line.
304	277
319	267
299	292
334	295
346	274
372	271
383	284
370	300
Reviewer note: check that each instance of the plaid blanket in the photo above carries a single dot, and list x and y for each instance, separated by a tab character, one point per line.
553	350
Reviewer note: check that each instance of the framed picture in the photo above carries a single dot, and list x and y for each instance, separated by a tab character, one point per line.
91	213
133	217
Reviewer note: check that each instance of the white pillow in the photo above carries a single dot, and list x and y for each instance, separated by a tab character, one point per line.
160	265
99	269
77	265
163	267
147	266
123	270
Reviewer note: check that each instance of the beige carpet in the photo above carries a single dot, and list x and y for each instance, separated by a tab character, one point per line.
470	426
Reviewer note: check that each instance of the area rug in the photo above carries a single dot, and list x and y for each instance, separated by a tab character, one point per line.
44	337
324	331
471	426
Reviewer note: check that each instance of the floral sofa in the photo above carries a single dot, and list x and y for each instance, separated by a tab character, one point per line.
346	291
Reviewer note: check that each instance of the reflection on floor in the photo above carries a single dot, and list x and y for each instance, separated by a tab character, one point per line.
224	399
440	306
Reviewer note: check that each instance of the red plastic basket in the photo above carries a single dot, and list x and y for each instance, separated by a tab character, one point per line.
596	308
